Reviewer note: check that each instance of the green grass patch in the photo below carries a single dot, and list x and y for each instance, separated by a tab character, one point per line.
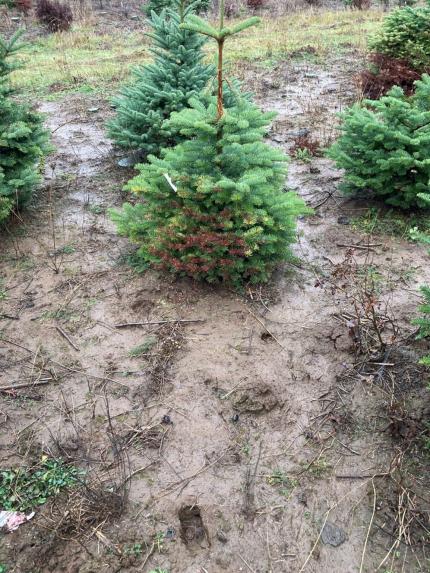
394	223
84	61
143	348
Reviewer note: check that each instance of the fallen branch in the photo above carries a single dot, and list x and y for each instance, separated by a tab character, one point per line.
364	476
66	337
135	472
363	247
25	385
265	327
363	555
127	324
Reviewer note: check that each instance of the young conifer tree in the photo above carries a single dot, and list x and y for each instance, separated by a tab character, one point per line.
384	147
23	140
162	87
214	207
423	322
158	6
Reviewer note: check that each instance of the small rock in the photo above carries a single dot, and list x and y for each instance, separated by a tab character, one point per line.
270	84
333	535
299	132
93	109
170	533
235	418
126	162
343	220
166	419
221	536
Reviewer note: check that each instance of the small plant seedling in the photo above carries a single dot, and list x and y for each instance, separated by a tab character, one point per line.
278	477
320	467
159	541
143	348
96	209
135	550
303	155
22	489
66	250
3	294
285	484
158	570
246	449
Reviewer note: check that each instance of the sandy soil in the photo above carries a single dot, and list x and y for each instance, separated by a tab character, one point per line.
256	436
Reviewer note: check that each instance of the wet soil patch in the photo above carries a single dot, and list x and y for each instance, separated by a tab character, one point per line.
308	427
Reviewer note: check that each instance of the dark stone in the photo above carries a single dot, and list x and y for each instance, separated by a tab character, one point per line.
235	418
343	220
166	419
126	162
299	132
221	536
270	84
170	533
332	535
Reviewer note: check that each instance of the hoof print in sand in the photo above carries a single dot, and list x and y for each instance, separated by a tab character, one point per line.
256	400
193	531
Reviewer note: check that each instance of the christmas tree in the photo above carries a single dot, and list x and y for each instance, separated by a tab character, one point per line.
424	321
213	207
162	87
23	140
158	6
405	35
385	147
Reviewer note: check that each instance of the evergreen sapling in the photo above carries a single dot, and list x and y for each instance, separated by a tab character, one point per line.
213	206
162	87
424	321
405	35
158	6
23	140
384	147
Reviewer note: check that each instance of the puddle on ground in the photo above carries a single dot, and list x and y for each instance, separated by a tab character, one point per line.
80	145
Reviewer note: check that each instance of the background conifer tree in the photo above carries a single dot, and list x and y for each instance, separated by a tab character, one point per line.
214	206
405	34
385	147
23	140
162	87
424	321
158	6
